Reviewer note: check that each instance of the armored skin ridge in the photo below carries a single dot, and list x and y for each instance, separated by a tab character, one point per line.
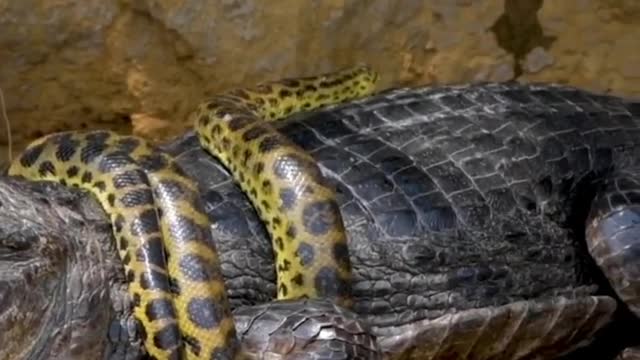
483	221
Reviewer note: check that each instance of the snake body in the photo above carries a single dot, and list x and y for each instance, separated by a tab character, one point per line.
170	260
284	183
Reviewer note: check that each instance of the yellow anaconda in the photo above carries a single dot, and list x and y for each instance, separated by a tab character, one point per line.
162	231
283	182
158	220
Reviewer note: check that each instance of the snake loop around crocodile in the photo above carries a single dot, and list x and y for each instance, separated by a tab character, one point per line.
284	183
170	260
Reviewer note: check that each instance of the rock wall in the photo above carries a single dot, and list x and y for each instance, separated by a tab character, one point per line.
141	65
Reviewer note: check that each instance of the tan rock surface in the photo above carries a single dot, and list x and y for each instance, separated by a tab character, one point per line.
140	66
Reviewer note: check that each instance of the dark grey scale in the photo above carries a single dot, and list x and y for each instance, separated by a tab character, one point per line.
204	312
87	177
146	223
255	132
288	197
197	268
138	325
137	197
184	229
158	309
194	345
306	253
270	143
168	337
46	168
31	155
67	147
73	171
100	186
328	282
154	280
152	251
129	178
320	217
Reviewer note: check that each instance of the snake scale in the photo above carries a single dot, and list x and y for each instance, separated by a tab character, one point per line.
162	234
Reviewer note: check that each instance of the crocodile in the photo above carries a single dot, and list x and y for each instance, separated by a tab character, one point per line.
484	221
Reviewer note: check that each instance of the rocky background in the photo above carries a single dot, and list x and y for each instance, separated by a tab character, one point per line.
141	65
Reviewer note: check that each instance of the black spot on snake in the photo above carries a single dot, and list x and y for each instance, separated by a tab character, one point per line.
73	171
114	161
154	280
168	337
91	151
87	177
129	178
46	168
67	147
158	309
307	253
118	223
194	344
328	281
341	254
153	252
185	229
145	223
288	196
240	122
154	162
320	217
197	268
298	279
270	143
111	199
137	197
291	232
204	312
255	132
100	186
31	155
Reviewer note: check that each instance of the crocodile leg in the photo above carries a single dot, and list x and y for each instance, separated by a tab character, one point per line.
613	240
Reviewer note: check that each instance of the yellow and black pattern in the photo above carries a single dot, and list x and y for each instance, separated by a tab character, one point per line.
283	182
170	260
